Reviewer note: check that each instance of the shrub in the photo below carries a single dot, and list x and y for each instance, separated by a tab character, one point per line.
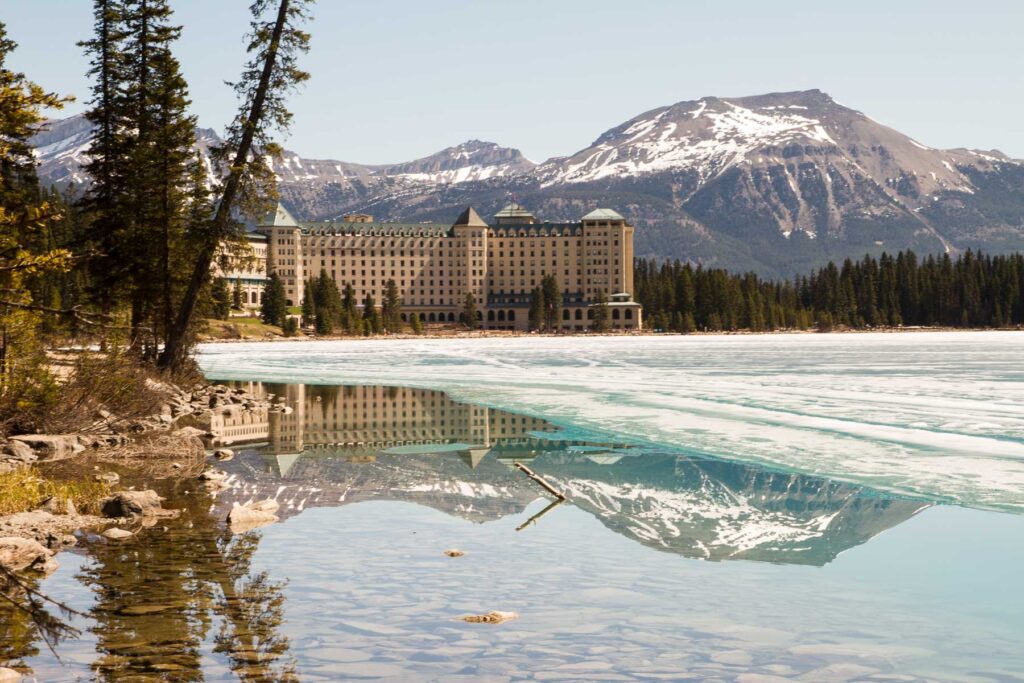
26	489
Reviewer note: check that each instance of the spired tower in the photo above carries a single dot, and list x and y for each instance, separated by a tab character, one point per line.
608	254
470	233
284	252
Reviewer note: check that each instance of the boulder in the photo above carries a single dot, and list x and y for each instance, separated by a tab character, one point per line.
243	518
116	534
18	450
188	432
9	675
18	553
51	446
133	504
224	454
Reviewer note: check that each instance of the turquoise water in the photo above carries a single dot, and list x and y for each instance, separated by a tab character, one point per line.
699	541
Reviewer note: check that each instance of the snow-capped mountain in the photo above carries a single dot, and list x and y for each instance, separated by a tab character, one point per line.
775	183
704	509
716	510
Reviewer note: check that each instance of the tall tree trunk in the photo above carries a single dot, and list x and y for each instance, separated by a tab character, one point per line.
175	346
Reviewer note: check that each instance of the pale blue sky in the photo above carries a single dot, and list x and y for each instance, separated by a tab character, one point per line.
395	80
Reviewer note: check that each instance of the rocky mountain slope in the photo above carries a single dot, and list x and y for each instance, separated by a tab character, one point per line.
776	183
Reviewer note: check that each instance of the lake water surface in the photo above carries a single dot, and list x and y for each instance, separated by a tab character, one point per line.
750	509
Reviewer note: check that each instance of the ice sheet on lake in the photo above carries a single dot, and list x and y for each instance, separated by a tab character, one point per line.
937	415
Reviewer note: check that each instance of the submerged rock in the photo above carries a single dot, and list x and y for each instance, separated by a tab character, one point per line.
111	478
224	454
135	504
116	534
247	517
490	617
454	553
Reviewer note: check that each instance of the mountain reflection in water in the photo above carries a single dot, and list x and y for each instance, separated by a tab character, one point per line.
337	445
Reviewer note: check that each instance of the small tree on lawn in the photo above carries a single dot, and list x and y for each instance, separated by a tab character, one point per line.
537	309
600	323
469	318
371	316
552	302
220	297
275	304
391	310
308	304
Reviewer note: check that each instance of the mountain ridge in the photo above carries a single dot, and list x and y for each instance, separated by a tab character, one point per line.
775	183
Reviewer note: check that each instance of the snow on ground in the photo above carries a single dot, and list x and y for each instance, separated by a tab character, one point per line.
935	415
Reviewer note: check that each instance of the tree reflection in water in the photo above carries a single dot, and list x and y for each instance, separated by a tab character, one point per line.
252	610
25	619
159	596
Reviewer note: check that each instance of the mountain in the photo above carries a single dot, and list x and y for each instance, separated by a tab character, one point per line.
775	183
694	507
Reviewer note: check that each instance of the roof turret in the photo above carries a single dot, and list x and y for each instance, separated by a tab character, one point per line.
279	218
603	215
470	218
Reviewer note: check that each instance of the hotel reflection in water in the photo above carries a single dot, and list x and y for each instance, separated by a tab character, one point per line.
361	421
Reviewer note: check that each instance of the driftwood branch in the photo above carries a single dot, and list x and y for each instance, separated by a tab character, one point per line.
540	480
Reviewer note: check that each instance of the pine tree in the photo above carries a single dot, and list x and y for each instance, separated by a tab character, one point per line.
537	308
601	320
275	45
106	162
236	295
391	310
552	302
220	299
327	304
416	323
26	252
351	320
469	314
371	315
274	308
308	303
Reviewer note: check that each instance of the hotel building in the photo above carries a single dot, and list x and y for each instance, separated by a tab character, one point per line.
435	266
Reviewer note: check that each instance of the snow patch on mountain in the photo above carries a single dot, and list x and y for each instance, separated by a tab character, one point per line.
709	137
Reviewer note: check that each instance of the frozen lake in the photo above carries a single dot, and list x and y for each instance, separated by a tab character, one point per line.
750	509
935	415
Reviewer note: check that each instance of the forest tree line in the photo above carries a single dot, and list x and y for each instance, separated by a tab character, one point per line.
971	290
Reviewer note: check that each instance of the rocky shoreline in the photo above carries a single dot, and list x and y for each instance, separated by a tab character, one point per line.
172	442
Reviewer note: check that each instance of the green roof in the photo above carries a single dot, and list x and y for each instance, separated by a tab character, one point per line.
513	211
603	215
375	229
279	218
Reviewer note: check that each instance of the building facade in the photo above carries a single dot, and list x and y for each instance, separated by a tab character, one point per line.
245	270
435	266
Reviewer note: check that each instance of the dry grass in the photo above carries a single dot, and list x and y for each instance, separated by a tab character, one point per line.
26	489
240	328
159	456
